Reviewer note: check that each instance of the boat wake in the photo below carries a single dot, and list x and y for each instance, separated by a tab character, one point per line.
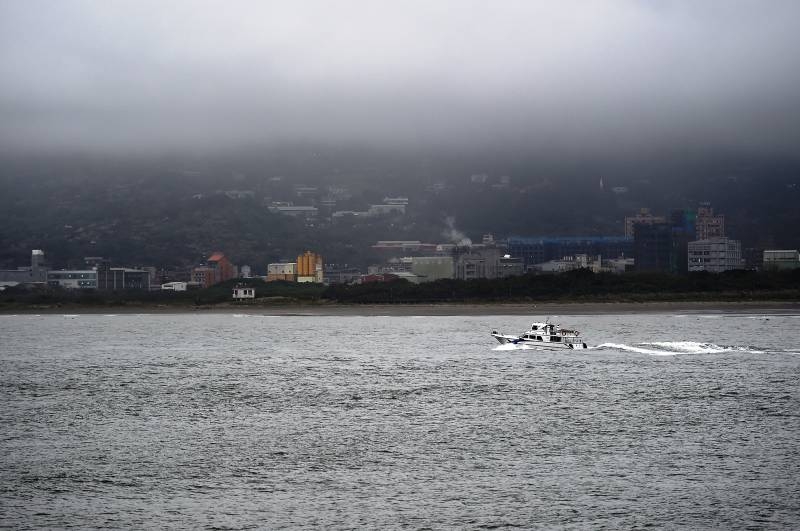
671	348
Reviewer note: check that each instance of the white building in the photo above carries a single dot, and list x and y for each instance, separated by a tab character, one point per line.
243	293
382	210
308	212
174	286
715	255
73	279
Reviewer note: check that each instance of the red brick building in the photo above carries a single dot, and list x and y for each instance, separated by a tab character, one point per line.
217	269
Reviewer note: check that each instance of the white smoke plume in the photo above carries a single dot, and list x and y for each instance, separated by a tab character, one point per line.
452	234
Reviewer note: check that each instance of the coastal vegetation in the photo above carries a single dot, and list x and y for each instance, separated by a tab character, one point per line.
576	286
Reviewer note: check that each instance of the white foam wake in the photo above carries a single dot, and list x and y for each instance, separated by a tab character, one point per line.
689	347
631	348
671	348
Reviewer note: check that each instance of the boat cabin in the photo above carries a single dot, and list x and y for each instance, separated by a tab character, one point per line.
550	333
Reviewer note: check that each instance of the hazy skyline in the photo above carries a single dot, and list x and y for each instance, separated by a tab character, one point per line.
605	76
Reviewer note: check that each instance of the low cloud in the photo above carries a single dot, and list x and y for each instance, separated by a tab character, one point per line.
599	77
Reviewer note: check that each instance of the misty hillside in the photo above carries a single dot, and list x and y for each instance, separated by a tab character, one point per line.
171	212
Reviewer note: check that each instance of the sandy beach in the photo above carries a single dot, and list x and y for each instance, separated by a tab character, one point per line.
332	309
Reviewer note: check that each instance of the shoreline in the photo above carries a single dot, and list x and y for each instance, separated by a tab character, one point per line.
438	309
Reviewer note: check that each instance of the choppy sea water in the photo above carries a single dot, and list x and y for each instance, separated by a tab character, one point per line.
249	421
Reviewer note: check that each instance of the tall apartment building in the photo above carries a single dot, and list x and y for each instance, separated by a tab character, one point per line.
715	255
708	225
654	247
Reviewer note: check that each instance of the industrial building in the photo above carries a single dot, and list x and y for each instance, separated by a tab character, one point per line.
309	267
286	271
122	278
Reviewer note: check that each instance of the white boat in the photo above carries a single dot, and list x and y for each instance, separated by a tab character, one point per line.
544	335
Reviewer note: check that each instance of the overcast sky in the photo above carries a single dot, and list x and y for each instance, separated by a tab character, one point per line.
590	75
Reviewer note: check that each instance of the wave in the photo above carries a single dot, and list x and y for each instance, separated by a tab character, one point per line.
671	348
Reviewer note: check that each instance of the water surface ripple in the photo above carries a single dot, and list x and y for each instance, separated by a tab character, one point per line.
249	421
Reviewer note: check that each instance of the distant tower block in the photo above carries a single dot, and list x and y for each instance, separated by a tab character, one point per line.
37	259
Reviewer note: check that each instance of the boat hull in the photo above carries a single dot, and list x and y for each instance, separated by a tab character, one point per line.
567	343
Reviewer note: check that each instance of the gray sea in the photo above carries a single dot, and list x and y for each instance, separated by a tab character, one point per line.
227	421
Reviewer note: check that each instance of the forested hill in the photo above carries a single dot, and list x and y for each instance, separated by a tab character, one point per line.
175	211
